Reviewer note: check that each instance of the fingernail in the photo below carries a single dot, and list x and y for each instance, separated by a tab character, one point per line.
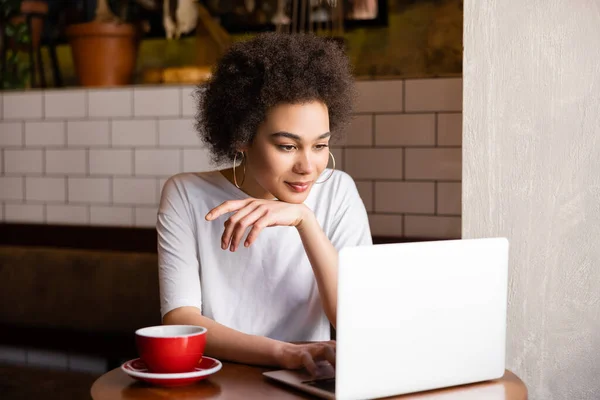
232	248
246	244
223	245
209	216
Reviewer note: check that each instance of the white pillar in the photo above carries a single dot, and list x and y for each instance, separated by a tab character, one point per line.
531	172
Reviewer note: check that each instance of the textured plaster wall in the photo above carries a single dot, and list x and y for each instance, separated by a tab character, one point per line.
531	172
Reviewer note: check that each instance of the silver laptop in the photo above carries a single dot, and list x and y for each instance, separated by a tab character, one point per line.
413	317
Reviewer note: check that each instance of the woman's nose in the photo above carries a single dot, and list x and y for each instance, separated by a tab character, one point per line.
305	164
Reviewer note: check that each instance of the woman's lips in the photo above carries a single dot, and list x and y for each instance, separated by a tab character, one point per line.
298	187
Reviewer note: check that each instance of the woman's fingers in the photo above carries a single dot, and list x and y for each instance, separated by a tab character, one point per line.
309	363
322	362
226	207
330	355
324	351
255	231
231	225
254	218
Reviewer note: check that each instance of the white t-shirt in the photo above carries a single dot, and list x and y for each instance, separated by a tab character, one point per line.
268	289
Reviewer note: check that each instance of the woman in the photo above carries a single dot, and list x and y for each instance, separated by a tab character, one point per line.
250	252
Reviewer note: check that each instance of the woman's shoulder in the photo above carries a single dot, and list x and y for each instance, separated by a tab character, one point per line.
188	185
191	180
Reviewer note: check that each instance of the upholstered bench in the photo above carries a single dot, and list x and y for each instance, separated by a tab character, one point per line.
74	302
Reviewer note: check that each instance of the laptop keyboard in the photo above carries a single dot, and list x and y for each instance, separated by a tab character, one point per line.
327	384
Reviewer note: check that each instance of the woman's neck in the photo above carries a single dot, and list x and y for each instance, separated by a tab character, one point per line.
247	184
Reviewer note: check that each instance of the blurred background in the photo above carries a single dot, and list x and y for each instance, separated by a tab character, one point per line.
383	38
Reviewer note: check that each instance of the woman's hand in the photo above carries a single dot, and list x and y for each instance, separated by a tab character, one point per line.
257	214
310	356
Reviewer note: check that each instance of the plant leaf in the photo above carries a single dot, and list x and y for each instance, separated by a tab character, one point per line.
10	30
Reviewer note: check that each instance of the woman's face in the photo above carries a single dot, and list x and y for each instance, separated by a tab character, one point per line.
289	152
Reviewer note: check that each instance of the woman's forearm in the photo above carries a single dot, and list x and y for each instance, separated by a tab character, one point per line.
228	344
323	258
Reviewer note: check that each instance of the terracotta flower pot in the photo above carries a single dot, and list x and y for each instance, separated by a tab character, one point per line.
104	54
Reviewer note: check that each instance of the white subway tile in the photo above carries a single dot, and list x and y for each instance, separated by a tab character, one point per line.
111	162
405	197
45	189
161	183
88	133
22	105
134	191
373	163
358	133
158	162
45	133
67	214
111	216
386	225
47	359
89	364
450	129
434	94
24	213
65	104
405	130
23	161
134	132
379	96
13	355
197	160
112	103
145	216
449	195
425	226
11	188
365	189
435	163
178	132
70	162
189	103
11	134
156	102
89	190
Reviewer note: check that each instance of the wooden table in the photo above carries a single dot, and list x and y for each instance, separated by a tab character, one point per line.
238	381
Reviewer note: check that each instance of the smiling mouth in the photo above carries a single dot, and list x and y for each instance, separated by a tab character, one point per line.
298	187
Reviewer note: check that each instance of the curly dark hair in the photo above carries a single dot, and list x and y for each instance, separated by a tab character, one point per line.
267	70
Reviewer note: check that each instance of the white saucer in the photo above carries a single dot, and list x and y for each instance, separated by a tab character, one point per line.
138	369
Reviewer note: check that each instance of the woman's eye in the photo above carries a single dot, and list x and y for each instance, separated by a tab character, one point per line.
321	146
287	147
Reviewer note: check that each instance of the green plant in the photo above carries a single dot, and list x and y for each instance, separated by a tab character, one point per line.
15	71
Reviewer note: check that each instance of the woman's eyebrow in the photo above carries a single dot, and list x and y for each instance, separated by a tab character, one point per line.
293	136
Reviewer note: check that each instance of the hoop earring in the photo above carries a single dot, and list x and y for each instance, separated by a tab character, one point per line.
234	175
332	169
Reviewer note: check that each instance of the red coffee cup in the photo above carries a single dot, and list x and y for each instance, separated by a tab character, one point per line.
171	348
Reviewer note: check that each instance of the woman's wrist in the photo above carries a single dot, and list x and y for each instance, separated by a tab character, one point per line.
307	219
279	351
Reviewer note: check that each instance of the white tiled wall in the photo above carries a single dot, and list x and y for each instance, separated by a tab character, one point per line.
100	156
